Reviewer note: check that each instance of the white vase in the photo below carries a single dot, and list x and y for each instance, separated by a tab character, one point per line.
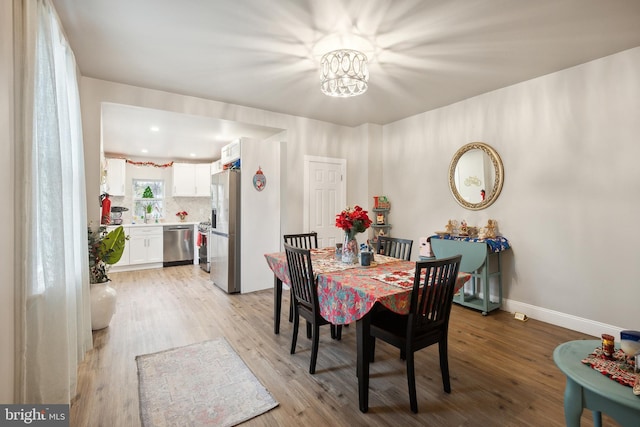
103	305
350	249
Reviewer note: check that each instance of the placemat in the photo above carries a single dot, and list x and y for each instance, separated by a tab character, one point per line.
617	369
401	279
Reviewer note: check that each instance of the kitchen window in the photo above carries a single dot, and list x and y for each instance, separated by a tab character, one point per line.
148	198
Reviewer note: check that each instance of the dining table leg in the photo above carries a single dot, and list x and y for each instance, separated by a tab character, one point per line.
363	326
277	303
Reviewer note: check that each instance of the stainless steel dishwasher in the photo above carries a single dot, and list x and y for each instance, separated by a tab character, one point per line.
177	246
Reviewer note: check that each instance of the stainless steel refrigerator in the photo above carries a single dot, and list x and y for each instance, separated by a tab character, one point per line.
225	230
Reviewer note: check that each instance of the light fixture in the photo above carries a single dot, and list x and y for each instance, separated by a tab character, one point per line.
344	73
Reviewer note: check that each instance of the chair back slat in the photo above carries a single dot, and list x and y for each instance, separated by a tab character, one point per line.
302	240
394	247
432	294
303	282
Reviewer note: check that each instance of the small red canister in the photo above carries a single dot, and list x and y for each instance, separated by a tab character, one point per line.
608	346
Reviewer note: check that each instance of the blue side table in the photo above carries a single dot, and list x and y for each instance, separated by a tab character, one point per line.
588	388
481	259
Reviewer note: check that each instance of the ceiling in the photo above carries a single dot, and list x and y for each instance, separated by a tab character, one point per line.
424	54
148	133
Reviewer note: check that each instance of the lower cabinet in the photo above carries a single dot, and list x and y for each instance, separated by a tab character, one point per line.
145	245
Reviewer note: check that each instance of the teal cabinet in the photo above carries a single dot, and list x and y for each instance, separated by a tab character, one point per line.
482	263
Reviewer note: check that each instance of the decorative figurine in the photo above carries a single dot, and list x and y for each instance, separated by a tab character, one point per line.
464	230
451	226
491	229
482	233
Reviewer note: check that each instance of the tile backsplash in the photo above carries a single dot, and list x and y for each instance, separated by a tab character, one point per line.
198	208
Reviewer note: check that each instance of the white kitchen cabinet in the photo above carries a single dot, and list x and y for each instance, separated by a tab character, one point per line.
184	179
116	175
203	179
230	152
145	245
216	167
191	179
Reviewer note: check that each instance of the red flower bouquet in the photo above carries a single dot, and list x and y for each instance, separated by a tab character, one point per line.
182	215
353	221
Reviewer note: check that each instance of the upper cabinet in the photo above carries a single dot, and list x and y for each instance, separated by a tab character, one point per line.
203	180
216	167
230	152
191	180
116	169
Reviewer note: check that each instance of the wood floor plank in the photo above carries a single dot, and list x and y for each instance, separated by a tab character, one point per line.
502	370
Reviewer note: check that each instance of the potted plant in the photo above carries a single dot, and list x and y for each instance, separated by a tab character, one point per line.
149	210
105	249
182	215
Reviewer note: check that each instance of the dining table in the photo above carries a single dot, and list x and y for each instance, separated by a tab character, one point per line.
347	293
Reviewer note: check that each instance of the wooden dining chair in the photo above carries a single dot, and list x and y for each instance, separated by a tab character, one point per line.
427	322
305	241
394	247
302	240
305	296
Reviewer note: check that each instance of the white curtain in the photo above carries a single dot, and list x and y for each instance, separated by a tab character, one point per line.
54	316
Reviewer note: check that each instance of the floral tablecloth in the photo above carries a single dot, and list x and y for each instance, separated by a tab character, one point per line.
323	261
346	296
346	292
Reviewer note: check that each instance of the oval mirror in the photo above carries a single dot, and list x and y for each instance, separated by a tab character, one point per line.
476	176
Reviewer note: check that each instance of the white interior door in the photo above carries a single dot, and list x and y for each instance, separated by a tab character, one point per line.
325	197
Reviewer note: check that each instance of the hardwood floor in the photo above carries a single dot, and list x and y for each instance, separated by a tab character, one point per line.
502	370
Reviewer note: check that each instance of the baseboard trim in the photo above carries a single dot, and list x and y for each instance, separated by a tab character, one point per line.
568	321
133	267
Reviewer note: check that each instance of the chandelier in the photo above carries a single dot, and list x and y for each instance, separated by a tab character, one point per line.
344	73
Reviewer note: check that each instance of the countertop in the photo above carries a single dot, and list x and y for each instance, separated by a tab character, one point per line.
154	224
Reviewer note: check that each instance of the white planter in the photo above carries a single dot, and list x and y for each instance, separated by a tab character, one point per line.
103	305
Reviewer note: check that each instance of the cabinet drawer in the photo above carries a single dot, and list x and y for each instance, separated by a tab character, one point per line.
145	231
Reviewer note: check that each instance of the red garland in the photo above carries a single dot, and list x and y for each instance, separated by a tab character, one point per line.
155	165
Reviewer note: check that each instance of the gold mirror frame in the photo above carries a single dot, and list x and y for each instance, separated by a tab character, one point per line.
492	195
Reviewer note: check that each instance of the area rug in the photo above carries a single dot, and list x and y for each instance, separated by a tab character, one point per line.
203	384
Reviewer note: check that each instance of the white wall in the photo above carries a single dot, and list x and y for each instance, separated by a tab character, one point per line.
7	186
260	225
569	142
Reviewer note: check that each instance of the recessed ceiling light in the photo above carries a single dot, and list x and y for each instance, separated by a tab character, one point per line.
155	128
144	150
192	154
